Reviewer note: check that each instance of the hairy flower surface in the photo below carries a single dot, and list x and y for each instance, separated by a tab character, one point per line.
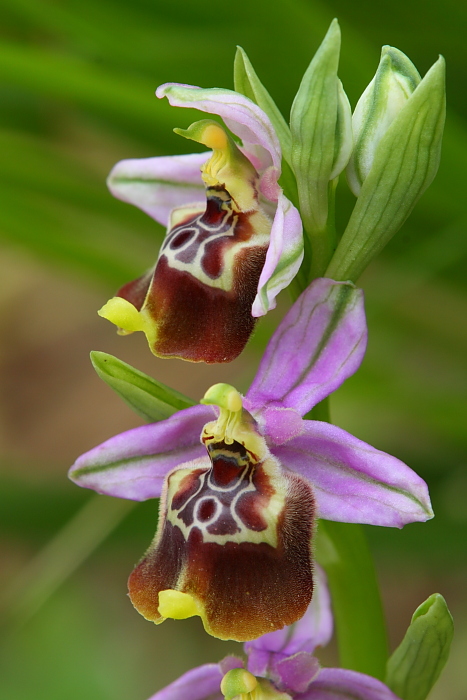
217	555
280	666
233	240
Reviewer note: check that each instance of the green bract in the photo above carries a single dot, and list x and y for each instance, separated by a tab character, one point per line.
417	662
405	162
151	400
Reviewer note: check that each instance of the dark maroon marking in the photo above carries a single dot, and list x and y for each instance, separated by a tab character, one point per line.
216	209
224	481
224	524
225	470
206	510
199	233
199	323
187	223
250	508
187	488
212	261
181	238
215	251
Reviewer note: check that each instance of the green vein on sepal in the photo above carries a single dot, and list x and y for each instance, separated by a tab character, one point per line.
139	460
151	399
416	664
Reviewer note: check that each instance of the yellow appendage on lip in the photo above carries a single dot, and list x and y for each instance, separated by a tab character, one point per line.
127	318
177	605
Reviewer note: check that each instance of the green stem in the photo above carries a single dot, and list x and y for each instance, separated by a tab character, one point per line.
342	550
324	241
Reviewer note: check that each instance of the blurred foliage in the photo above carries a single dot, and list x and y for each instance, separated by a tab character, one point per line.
77	94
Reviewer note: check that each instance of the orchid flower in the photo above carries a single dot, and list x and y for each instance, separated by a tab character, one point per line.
238	509
233	239
280	666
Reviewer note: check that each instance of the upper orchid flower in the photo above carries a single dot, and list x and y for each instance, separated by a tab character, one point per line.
280	666
224	258
233	543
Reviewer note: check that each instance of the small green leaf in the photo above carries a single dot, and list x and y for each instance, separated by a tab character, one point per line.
151	400
405	162
417	662
247	83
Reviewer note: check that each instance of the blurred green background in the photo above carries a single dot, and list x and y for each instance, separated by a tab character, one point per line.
77	95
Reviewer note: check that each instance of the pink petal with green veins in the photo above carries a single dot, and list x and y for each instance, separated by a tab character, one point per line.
158	185
134	464
242	116
283	258
354	482
320	343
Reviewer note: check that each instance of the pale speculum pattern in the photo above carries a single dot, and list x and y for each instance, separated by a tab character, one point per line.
204	244
227	502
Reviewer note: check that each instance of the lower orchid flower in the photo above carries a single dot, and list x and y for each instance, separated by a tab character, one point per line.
238	507
281	666
233	239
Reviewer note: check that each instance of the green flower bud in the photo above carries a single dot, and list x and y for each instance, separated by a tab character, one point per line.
417	662
320	122
403	164
388	92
